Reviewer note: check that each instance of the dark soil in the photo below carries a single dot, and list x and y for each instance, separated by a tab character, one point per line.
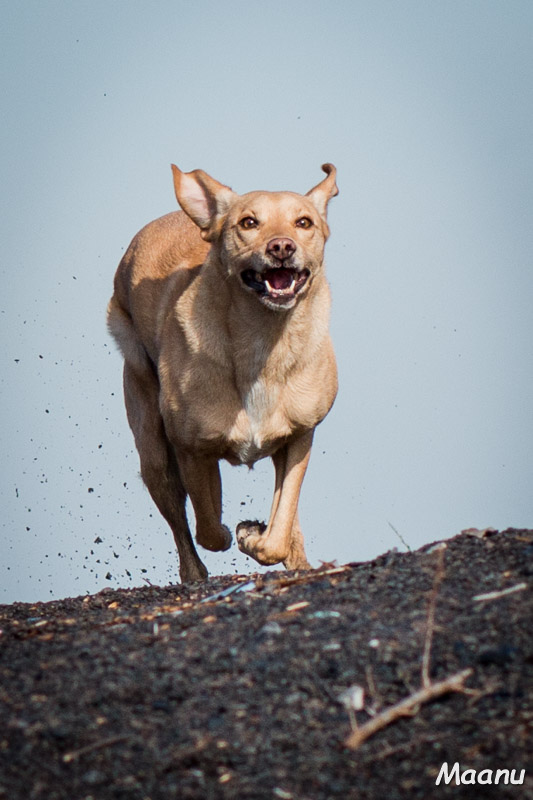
156	693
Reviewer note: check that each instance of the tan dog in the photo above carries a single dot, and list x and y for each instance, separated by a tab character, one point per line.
221	313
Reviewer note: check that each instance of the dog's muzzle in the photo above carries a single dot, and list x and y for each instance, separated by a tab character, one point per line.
278	284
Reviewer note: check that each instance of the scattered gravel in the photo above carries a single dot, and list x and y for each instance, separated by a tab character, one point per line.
240	687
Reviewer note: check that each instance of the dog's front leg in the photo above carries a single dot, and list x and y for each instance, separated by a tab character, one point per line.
281	539
296	558
201	478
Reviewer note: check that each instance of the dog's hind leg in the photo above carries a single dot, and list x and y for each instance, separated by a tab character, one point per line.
201	477
159	467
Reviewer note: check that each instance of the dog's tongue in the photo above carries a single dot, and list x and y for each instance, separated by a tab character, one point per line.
279	278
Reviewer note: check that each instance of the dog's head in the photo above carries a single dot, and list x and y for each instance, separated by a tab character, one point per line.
272	243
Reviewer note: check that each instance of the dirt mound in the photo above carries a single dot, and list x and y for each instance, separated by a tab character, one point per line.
256	686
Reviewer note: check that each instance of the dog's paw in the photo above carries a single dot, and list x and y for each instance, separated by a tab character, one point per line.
249	527
296	561
251	541
216	539
249	534
192	570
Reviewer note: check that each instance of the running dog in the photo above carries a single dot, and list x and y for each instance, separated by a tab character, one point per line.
221	312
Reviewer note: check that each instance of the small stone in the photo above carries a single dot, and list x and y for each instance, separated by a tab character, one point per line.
331	647
94	777
272	628
353	697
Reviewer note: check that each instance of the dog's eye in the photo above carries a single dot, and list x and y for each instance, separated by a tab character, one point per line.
304	222
248	222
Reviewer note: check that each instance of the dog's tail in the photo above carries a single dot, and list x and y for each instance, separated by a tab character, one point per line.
122	329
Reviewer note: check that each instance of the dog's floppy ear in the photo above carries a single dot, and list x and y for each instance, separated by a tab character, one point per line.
322	193
202	198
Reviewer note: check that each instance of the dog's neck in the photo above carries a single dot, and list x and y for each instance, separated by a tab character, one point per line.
256	338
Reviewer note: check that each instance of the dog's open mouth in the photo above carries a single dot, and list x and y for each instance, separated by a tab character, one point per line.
279	284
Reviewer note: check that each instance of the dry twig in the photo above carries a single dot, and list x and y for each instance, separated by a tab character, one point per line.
430	627
501	593
103	743
408	707
400	537
429	691
306	578
373	691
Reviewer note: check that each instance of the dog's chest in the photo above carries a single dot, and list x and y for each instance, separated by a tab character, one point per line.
258	403
259	424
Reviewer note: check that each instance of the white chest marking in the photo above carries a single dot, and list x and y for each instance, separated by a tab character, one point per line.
258	404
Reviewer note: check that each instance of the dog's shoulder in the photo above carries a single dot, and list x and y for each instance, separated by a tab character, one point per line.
161	261
163	246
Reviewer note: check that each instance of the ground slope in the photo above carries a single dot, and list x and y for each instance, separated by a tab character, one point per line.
157	693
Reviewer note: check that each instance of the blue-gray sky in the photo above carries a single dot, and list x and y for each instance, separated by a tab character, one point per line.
425	107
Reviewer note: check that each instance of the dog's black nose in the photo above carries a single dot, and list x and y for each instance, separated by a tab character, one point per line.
281	248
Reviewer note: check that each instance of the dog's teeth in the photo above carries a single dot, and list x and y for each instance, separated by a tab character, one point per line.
279	292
